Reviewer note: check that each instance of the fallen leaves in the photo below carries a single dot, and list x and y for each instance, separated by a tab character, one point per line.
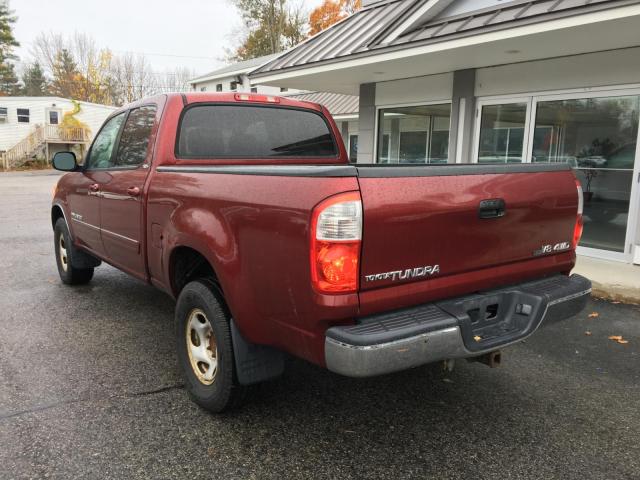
618	339
594	315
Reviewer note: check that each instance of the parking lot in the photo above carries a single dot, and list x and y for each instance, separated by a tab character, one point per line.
89	389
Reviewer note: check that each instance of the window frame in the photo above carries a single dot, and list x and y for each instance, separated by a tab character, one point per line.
57	112
379	108
505	100
351	135
28	115
144	163
186	109
114	152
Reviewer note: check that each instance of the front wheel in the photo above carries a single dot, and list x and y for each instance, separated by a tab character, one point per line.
204	346
65	254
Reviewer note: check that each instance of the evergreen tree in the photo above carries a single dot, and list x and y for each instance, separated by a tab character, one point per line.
35	83
66	78
8	78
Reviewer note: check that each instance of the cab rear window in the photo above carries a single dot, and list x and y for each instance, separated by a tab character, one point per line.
247	131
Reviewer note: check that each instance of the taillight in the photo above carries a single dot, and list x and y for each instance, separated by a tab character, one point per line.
577	229
336	236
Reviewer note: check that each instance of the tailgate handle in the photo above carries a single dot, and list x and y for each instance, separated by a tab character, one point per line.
491	208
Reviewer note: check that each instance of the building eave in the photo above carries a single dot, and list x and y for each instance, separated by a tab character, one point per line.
451	43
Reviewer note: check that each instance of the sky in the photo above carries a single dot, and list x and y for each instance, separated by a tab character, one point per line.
183	33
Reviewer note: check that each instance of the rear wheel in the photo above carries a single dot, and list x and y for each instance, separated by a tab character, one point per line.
205	352
65	254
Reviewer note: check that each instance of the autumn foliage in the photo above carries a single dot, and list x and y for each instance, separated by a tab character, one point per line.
330	12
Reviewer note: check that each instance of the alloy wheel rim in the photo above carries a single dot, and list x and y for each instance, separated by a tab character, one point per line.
62	252
201	346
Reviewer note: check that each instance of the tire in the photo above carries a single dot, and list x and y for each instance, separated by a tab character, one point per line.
65	257
200	316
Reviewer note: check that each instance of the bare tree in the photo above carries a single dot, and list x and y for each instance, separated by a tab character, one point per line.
131	78
174	80
79	69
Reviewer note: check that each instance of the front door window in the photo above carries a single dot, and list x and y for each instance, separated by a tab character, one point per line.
101	153
597	136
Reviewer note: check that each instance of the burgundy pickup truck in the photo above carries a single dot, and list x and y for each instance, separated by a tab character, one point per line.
245	209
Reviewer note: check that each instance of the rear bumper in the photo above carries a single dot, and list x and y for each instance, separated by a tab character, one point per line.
459	328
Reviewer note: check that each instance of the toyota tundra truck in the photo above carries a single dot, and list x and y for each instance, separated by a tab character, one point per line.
246	210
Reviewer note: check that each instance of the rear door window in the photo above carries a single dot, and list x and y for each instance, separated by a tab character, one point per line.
243	131
134	140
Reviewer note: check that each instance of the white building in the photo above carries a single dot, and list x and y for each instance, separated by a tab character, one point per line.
30	127
234	78
488	80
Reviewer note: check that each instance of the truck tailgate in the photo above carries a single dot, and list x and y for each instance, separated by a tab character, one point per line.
428	222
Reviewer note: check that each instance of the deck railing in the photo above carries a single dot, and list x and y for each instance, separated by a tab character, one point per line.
38	137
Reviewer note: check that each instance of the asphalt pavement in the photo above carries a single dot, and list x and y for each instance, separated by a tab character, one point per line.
89	388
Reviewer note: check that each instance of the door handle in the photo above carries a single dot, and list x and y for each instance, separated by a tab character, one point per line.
133	191
492	208
94	187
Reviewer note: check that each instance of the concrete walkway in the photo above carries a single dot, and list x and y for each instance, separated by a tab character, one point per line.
611	280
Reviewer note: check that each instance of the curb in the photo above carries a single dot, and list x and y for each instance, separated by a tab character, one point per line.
616	293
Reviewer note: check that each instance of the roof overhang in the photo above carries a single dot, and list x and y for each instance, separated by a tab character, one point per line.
589	32
208	78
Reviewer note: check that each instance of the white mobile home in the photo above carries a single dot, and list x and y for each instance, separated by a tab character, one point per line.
31	128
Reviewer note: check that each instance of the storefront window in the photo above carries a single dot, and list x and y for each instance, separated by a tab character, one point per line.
353	148
502	133
597	136
418	134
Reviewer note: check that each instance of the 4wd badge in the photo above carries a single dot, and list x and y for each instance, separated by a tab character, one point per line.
552	248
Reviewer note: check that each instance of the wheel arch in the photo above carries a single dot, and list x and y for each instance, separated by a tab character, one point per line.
187	263
57	212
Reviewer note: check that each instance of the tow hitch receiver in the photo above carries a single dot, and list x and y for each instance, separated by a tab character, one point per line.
491	359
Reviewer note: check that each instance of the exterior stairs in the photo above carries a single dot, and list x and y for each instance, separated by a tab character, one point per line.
36	142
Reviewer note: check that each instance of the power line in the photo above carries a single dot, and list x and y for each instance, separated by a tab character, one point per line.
172	55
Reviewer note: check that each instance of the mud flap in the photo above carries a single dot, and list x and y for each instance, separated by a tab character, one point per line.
254	363
81	259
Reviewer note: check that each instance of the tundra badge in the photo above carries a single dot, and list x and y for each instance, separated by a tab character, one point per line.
406	274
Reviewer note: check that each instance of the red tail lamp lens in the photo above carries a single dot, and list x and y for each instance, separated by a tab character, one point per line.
577	230
336	233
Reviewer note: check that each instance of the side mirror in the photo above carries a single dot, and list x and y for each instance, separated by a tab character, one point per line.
65	162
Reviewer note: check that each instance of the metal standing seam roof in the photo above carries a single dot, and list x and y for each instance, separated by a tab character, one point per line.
365	31
336	103
245	66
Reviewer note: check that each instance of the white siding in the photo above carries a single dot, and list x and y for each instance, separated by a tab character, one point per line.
210	86
12	132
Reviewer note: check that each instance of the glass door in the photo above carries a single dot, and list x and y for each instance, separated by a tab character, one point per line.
501	131
597	136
